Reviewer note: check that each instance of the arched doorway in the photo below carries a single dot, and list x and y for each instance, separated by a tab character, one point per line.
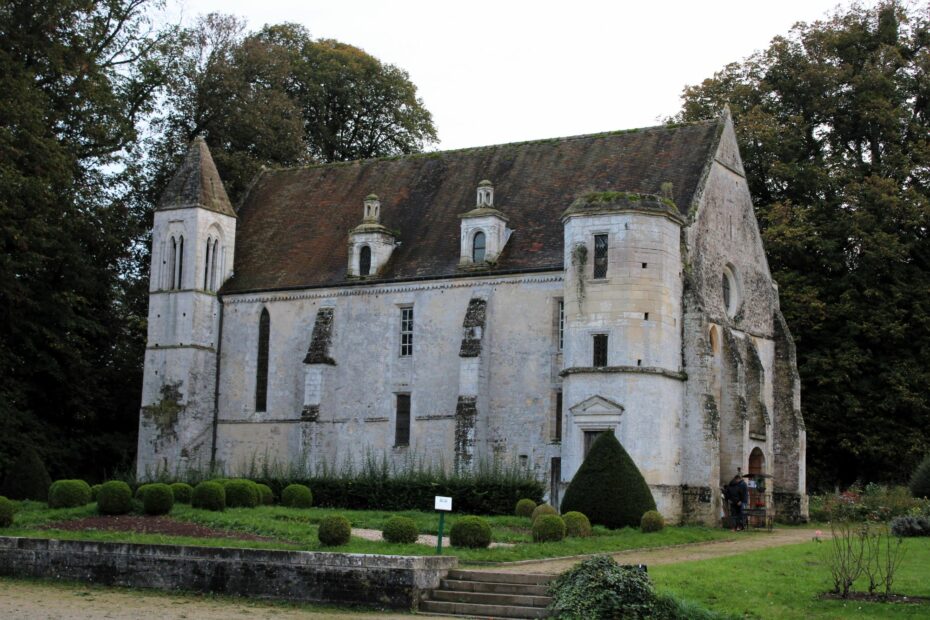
756	462
758	481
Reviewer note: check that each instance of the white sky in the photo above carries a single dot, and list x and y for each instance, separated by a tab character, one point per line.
505	71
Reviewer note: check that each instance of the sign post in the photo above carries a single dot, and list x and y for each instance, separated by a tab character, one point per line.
443	505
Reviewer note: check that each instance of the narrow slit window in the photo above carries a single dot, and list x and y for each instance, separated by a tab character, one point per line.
478	247
561	326
557	435
206	266
402	421
600	350
600	256
364	261
181	262
261	366
172	263
406	332
213	259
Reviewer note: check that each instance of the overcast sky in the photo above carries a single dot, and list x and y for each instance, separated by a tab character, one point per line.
505	71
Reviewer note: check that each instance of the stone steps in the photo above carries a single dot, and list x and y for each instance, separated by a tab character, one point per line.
488	594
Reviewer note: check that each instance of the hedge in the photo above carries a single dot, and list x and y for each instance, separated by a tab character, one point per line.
392	494
114	498
6	512
27	478
68	494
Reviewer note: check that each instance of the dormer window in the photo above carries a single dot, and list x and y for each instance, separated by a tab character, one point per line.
364	261
478	247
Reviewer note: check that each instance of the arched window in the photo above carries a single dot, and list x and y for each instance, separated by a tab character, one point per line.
364	261
261	366
478	248
180	262
172	263
206	266
213	283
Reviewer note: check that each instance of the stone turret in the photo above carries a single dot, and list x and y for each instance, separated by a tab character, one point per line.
484	231
192	256
370	243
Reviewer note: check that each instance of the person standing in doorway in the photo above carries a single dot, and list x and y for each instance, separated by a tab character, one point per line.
736	493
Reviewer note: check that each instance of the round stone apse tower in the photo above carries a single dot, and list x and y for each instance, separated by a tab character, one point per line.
623	335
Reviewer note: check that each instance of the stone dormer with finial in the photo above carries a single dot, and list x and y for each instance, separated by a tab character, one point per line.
484	231
370	243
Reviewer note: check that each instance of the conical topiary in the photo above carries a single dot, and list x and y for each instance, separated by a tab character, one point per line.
27	477
608	486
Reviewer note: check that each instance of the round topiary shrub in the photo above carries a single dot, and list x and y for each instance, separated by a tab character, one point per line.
266	495
576	524
209	496
6	512
608	487
335	530
400	530
297	496
27	478
241	494
140	492
94	490
114	498
652	521
158	499
525	508
68	494
543	509
473	532
182	492
920	480
548	528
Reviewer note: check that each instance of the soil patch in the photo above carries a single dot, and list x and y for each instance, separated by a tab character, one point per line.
875	598
149	525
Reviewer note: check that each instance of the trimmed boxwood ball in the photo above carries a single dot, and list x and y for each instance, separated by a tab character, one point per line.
6	512
241	494
158	499
266	495
68	494
652	521
543	509
608	487
209	496
114	498
297	496
473	532
525	508
548	528
140	492
94	490
335	530
920	480
182	492
576	524
27	477
400	530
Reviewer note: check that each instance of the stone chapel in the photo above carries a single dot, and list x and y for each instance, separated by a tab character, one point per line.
507	301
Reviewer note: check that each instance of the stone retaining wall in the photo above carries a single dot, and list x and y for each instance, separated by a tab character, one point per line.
388	581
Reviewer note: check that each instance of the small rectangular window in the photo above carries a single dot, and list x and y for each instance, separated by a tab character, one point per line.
589	438
557	435
402	421
561	325
406	331
600	256
600	350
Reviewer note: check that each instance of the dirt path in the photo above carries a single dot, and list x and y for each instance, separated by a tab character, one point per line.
422	539
29	600
672	555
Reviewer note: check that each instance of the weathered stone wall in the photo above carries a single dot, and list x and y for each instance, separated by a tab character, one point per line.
397	582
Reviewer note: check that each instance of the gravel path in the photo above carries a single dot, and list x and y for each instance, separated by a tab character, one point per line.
33	600
680	553
422	539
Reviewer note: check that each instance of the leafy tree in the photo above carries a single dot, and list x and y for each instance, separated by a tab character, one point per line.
833	124
608	488
75	79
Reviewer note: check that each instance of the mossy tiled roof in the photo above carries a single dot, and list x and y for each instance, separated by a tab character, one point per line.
196	183
293	225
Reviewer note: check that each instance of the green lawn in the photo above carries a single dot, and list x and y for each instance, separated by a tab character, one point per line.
784	583
296	528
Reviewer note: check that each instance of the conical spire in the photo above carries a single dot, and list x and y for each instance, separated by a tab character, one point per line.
197	183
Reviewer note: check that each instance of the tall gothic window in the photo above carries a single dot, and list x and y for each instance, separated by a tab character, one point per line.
364	261
206	265
261	366
213	283
478	248
600	256
172	263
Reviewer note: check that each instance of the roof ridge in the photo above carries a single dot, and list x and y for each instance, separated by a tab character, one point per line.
430	154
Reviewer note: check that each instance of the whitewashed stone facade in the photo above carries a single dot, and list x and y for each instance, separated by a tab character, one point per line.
608	313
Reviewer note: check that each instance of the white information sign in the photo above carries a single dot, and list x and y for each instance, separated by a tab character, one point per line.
443	503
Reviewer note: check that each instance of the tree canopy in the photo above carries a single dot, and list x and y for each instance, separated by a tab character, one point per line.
97	106
833	125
